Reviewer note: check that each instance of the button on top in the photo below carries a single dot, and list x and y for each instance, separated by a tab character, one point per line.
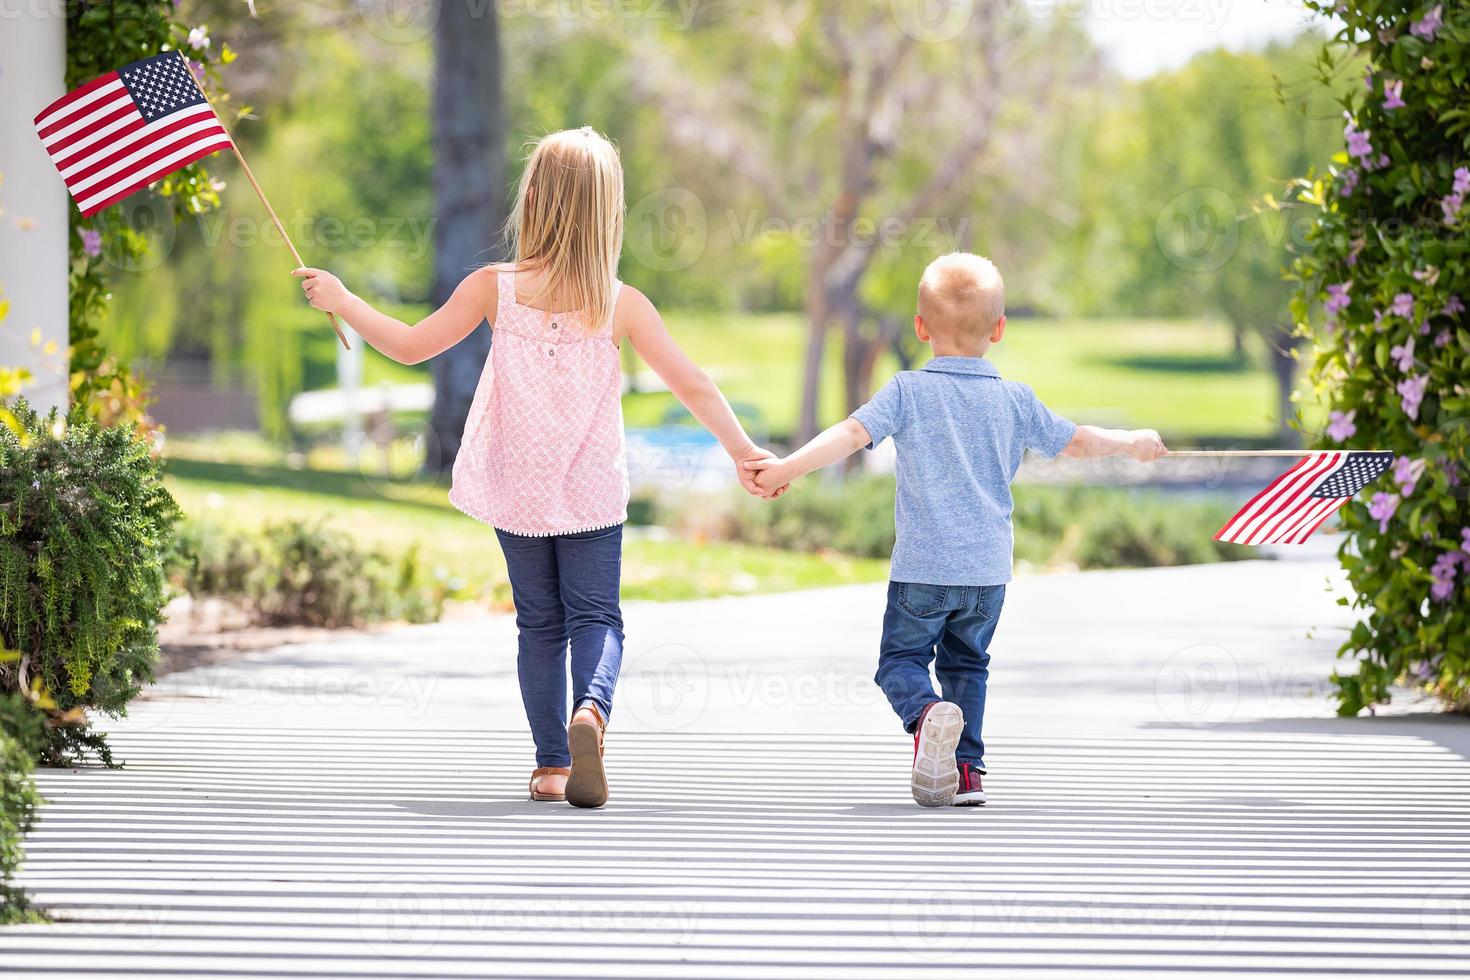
551	353
556	326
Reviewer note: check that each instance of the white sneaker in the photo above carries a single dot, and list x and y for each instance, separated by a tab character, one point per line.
936	778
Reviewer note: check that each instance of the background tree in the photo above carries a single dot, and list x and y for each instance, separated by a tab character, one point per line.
1177	210
469	195
860	131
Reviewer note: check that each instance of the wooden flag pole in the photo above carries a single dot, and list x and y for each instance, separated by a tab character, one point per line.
260	193
1230	453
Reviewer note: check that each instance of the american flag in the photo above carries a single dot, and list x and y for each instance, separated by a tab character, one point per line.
1299	500
122	131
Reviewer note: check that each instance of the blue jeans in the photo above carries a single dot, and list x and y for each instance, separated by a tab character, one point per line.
950	626
565	589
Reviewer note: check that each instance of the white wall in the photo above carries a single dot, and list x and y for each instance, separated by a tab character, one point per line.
33	201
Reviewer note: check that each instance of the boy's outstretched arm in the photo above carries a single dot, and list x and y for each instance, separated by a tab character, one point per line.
473	301
1144	445
836	443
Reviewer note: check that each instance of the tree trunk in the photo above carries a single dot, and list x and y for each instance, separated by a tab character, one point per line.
1283	367
469	197
816	353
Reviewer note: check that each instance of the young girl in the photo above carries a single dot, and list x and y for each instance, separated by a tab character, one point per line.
542	459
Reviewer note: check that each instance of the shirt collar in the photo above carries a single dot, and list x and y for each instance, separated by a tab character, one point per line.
978	366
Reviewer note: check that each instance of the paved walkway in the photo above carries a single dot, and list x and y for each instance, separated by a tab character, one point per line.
1171	797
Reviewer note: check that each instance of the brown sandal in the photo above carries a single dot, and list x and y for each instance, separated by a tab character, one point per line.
535	787
587	785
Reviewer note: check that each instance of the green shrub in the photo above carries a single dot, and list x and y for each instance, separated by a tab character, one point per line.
852	517
85	523
19	724
306	573
1149	530
1086	527
1389	271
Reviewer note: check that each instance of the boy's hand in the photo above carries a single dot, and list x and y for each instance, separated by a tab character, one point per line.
323	290
748	476
770	474
1145	445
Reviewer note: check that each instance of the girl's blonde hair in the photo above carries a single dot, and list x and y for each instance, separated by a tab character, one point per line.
568	221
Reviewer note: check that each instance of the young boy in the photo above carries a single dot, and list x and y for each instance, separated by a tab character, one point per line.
960	431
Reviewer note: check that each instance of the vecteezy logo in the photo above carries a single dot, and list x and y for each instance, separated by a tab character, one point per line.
1199	685
933	21
668	229
401	21
666	687
1198	230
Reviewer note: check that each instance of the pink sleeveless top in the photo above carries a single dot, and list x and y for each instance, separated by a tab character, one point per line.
543	449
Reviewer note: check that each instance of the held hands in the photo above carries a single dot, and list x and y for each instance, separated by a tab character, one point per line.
323	290
1145	445
769	475
750	470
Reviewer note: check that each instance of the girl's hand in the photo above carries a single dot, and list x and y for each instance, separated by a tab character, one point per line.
323	290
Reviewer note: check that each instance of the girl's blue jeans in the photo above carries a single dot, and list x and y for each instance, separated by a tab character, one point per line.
565	589
950	626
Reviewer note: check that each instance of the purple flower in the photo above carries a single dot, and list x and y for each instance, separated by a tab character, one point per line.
1381	508
1411	391
1454	306
1428	26
1444	571
91	242
1462	180
1357	141
1451	205
1443	338
1340	425
1403	305
1465	540
1349	183
1406	472
1403	354
1444	582
1393	94
1337	298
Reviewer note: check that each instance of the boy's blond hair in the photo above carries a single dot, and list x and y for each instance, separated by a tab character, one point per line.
568	221
962	294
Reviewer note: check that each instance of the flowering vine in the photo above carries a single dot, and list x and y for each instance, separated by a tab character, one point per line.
1382	301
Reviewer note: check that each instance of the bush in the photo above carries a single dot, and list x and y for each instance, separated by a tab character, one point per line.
1389	272
19	724
1085	527
85	523
305	573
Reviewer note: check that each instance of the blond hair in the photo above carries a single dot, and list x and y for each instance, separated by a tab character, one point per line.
962	293
568	221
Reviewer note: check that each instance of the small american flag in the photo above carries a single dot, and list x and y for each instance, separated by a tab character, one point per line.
120	132
1299	500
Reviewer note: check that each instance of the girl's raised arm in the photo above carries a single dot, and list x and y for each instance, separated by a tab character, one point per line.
473	301
636	319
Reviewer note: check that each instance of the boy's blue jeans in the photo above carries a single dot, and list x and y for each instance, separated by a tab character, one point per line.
566	590
950	626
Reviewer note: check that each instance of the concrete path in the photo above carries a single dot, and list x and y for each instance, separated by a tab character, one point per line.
1171	796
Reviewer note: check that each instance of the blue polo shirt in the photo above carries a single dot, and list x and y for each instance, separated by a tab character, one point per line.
960	430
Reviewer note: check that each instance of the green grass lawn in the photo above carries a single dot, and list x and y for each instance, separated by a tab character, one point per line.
1178	376
235	484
